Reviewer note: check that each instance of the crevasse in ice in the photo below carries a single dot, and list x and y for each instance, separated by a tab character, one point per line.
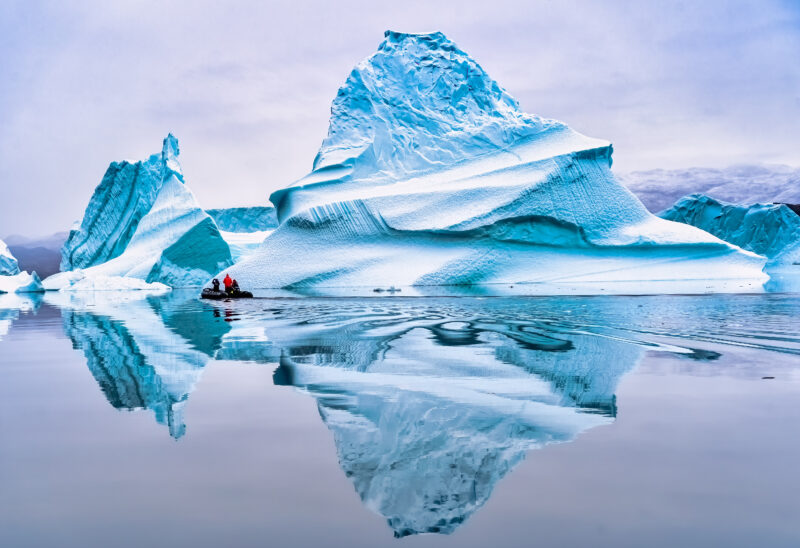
143	222
770	229
431	175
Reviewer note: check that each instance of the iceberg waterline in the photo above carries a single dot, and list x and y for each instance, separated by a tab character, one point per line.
143	222
432	175
772	230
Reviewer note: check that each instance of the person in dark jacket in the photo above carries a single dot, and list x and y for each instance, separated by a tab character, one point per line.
235	286
215	284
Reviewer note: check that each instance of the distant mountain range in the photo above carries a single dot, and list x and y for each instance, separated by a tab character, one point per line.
659	189
40	254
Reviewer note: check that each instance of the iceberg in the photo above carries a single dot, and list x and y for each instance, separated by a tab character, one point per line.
244	228
12	280
8	264
245	219
431	174
143	222
772	230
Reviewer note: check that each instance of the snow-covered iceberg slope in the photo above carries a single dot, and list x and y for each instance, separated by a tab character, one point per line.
431	175
772	230
244	228
144	222
11	279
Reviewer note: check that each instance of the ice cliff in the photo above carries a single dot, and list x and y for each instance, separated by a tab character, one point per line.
143	222
772	230
431	174
244	228
12	280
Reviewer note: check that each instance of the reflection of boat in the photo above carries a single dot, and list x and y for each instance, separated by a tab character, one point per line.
213	294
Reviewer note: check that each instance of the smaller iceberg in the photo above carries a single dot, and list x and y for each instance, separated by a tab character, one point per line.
770	229
143	222
244	228
11	279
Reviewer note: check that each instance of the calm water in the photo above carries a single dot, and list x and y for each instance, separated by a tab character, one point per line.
129	420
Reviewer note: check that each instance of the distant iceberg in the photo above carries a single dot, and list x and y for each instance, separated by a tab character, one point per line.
772	230
432	175
12	280
244	228
143	222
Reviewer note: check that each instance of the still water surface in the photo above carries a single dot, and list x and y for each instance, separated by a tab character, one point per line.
134	420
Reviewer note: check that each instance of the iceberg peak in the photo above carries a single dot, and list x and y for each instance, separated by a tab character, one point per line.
169	156
419	103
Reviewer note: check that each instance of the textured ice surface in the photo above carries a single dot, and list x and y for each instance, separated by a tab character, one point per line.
744	184
244	219
432	175
8	264
772	230
144	222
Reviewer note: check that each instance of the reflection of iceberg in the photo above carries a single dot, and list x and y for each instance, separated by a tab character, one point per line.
144	353
431	406
11	304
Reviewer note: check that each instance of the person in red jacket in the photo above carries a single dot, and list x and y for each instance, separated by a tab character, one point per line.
228	284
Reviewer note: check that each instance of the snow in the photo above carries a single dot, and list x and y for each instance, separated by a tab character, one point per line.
143	222
115	283
432	175
772	230
745	184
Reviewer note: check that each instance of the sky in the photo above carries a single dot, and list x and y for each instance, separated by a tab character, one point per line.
247	86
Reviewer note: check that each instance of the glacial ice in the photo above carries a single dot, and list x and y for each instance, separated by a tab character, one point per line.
143	222
432	175
245	219
244	228
11	279
772	230
8	264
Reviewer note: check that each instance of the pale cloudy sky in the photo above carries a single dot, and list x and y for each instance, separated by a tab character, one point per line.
247	86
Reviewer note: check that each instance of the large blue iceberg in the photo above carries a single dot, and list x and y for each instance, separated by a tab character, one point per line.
432	175
143	222
772	230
